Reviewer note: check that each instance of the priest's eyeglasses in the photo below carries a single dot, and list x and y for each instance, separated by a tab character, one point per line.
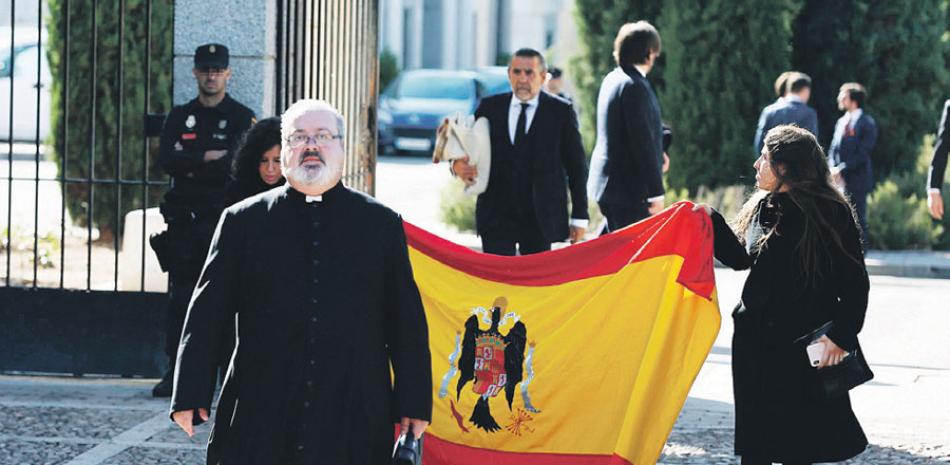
321	138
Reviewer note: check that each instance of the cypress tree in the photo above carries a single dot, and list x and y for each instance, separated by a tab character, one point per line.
76	145
722	57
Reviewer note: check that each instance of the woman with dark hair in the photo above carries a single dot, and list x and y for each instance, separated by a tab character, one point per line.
256	166
799	237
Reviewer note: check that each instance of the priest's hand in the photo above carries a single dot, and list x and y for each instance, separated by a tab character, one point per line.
418	426
463	170
185	419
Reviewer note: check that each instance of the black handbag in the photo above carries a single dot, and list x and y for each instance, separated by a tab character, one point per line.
408	449
837	380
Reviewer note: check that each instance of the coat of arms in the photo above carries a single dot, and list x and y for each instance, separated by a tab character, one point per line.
492	361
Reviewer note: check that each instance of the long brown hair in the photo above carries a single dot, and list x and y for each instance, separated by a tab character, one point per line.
799	165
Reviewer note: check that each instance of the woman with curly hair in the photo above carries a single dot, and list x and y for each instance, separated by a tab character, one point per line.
256	166
799	238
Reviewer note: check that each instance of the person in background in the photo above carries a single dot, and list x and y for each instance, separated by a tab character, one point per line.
537	156
256	166
790	108
849	156
555	83
195	150
626	174
799	238
938	165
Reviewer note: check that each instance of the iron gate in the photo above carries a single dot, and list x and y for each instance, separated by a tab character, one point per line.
75	294
85	85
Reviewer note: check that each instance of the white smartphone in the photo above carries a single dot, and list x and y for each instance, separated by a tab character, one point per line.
815	351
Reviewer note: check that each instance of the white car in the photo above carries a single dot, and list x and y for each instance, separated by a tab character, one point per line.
23	65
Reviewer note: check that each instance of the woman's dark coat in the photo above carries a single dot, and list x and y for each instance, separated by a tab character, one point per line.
325	301
779	413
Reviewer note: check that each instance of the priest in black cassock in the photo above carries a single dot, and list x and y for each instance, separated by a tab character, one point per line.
319	279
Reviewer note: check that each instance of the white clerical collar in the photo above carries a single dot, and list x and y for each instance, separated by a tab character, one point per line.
533	103
313	198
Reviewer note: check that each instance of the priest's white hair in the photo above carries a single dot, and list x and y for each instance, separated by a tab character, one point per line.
302	107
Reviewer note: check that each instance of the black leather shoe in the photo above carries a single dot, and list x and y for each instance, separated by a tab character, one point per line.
164	387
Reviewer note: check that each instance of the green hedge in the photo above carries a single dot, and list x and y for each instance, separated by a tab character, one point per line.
77	146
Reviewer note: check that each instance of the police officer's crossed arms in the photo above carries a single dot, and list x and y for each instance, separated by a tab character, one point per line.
196	151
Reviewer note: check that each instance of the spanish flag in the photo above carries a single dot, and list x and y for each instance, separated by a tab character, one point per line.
582	355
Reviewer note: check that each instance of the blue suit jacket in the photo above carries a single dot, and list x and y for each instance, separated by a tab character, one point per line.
785	112
626	166
938	165
853	148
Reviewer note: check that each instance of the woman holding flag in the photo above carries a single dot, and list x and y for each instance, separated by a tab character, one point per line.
799	237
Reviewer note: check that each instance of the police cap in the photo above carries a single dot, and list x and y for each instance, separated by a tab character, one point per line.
211	56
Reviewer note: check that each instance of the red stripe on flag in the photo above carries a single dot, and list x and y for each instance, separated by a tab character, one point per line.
657	236
441	452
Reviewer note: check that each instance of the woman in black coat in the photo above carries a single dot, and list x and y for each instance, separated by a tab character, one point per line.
800	239
256	166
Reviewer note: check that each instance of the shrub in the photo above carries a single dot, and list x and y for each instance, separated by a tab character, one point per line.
457	208
896	221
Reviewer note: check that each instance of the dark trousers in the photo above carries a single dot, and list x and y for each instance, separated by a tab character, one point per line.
524	239
860	202
509	247
621	216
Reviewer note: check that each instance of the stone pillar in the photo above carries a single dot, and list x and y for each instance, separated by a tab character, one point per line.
249	29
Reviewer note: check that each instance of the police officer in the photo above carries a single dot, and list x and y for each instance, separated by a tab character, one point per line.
196	148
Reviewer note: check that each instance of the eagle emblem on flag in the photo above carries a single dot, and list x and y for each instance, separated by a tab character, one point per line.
492	361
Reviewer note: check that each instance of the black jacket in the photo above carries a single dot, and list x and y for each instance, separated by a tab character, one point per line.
558	164
779	413
853	147
189	131
938	165
626	166
325	302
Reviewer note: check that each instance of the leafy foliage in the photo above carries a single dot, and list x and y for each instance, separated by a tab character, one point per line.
98	101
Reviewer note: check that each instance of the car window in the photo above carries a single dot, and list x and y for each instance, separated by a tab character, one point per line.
437	87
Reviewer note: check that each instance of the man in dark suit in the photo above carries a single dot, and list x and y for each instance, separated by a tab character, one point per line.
938	166
626	166
537	156
792	108
850	154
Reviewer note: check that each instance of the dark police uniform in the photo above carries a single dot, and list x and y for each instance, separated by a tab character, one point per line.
198	194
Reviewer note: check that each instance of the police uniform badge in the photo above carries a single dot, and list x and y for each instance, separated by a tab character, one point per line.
222	124
190	122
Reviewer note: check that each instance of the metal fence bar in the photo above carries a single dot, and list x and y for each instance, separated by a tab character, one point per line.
118	147
92	144
10	141
148	85
64	155
36	155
